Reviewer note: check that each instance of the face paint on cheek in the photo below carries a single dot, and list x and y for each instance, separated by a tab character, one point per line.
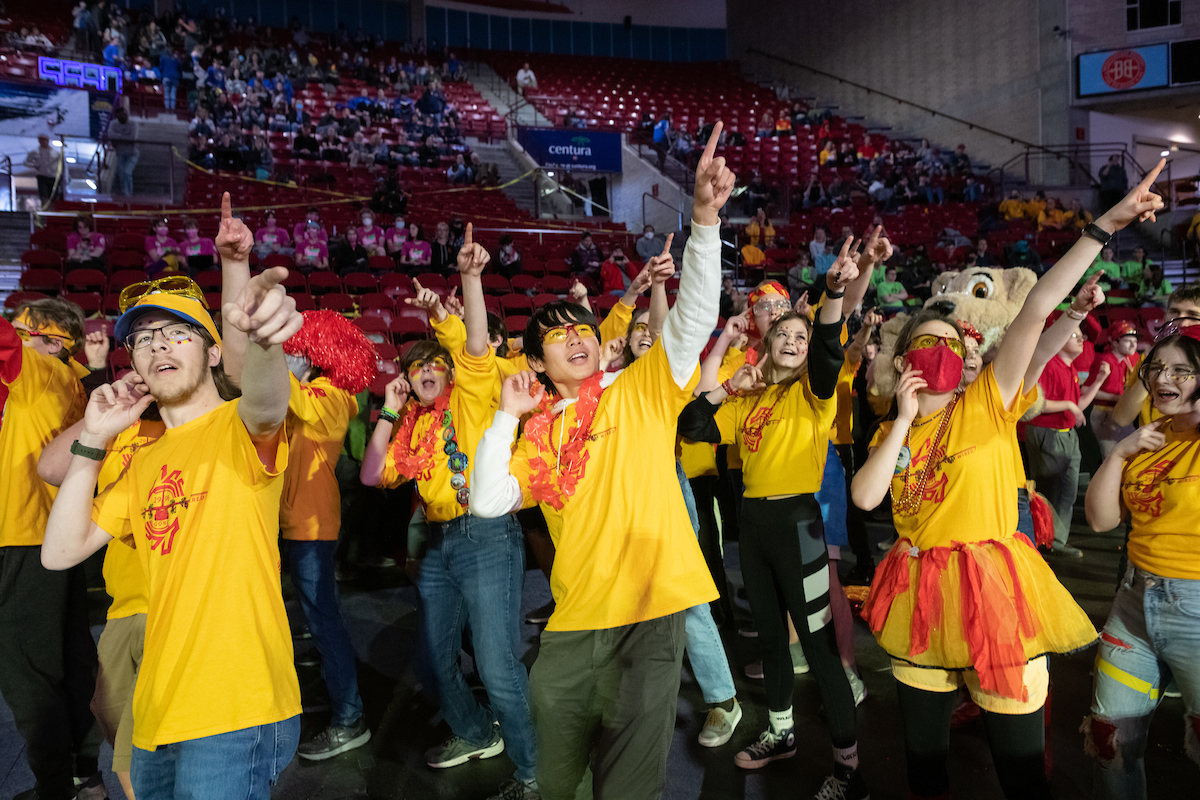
940	367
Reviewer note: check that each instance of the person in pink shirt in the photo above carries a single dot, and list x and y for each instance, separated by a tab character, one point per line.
162	251
417	252
271	238
1121	358
85	247
313	215
311	253
198	251
370	236
396	236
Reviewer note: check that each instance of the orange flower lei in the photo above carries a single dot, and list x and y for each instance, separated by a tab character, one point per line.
554	486
416	462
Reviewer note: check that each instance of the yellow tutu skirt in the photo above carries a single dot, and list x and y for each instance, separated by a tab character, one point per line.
991	606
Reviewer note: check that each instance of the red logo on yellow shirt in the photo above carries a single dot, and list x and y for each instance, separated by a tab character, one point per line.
1145	493
161	513
753	427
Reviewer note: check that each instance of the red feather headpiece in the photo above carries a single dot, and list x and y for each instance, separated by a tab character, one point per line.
334	345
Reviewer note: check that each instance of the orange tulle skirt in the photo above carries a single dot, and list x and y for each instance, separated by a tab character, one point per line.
991	606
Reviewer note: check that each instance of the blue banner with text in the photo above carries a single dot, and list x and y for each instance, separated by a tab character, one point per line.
572	149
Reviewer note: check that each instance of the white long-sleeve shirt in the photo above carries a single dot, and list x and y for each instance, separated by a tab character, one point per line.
495	492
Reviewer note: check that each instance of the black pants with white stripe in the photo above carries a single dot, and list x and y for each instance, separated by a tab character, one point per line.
785	565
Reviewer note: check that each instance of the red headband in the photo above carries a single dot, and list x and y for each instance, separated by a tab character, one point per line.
770	287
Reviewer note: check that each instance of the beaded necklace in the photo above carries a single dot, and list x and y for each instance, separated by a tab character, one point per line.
909	502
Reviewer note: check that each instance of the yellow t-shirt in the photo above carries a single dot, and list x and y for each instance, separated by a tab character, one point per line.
202	511
625	548
318	415
760	235
44	398
782	436
472	399
843	425
1161	489
123	577
1012	209
697	458
731	363
968	496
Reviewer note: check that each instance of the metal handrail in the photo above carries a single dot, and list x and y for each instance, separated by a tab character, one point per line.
6	168
662	202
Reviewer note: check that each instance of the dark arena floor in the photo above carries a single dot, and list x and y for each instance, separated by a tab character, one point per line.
380	608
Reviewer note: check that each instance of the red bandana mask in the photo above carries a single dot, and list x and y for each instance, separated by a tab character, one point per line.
940	366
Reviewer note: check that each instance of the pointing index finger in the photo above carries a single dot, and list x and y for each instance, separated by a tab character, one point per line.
467	237
1152	175
274	276
667	246
710	149
226	209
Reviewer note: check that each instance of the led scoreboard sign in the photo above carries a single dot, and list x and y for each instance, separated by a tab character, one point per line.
63	72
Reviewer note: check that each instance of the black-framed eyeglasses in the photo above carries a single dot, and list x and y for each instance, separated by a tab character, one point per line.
172	333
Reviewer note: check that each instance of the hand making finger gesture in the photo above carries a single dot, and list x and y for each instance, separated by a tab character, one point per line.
234	239
263	310
662	266
113	407
1090	296
472	257
427	300
714	182
1140	205
844	269
521	394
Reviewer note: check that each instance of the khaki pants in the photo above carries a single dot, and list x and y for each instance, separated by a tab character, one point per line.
120	652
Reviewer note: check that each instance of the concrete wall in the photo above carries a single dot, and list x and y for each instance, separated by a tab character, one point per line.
1146	139
638	177
1100	25
998	65
677	13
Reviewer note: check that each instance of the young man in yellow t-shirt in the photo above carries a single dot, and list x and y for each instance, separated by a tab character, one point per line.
217	703
599	458
48	656
474	568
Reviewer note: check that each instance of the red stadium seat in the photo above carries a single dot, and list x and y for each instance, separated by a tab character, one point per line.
324	282
337	301
361	282
126	259
404	329
48	281
85	280
42	259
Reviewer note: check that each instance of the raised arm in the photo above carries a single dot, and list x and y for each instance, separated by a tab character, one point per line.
234	243
495	491
691	321
1021	339
854	351
472	258
874	478
375	453
1102	503
1130	405
268	317
1089	297
710	368
71	536
877	251
662	269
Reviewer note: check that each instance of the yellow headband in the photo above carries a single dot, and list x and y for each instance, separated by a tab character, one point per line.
47	329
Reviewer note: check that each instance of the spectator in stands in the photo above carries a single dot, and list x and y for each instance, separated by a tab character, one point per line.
960	162
982	257
817	246
847	157
508	260
1114	182
44	161
892	296
661	138
929	193
783	122
585	258
453	70
305	145
417	252
311	214
766	125
758	193
331	146
617	272
1035	205
828	153
443	250
370	235
271	238
122	136
396	236
361	153
311	253
433	102
1104	262
168	70
1053	217
349	254
215	76
380	151
229	155
760	231
525	78
81	20
1154	289
1013	206
814	193
1076	217
459	173
85	247
839	192
458	231
162	251
1020	254
260	161
649	245
904	193
803	276
973	191
197	251
202	124
1133	269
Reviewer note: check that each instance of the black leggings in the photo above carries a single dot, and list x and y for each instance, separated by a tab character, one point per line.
1018	743
785	564
704	488
856	526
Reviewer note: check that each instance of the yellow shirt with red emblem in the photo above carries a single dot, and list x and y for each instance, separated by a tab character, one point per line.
962	500
41	397
318	415
123	577
202	512
1161	489
473	398
625	548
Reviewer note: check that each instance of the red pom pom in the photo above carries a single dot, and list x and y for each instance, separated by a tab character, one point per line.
337	347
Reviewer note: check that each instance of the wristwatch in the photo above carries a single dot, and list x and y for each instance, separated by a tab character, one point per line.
1099	234
94	453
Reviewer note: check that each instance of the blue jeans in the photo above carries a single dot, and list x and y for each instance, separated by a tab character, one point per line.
311	566
244	764
1025	517
170	86
124	177
705	650
474	571
1152	636
831	497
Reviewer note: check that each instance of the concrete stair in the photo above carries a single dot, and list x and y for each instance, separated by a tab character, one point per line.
500	153
503	97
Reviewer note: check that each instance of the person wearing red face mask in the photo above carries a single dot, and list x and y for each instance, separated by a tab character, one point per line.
960	599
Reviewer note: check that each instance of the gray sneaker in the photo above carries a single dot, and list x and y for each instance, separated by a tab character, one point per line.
1066	550
719	725
799	662
335	740
514	789
457	750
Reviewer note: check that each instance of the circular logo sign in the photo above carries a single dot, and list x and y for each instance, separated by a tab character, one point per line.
1124	69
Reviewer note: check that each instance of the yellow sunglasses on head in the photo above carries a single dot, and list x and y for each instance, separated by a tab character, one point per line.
175	284
930	340
561	332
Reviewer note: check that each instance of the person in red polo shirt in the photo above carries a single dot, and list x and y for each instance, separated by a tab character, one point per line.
1052	443
1121	359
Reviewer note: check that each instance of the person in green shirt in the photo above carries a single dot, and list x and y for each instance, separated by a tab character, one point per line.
1106	262
891	294
1155	288
801	276
1131	270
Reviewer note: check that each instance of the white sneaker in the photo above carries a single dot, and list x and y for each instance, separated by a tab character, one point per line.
799	662
856	685
719	725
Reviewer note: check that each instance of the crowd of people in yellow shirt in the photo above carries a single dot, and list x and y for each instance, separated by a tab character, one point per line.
1047	213
223	440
